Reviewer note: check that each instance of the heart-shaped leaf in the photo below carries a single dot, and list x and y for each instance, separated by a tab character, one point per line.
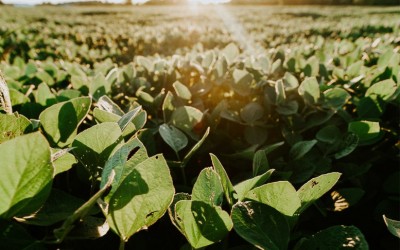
176	139
208	188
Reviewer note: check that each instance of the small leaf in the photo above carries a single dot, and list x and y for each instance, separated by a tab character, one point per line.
315	188
328	134
393	226
172	212
26	175
244	187
309	90
94	145
280	195
60	122
201	223
365	130
242	81
336	98
126	119
280	92
106	104
290	82
230	193
385	90
348	145
255	135
261	225
252	112
231	52
12	126
336	237
301	148
176	139
99	86
208	188
182	91
260	163
186	117
62	160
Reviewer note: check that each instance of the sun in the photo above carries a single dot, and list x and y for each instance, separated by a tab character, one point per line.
208	1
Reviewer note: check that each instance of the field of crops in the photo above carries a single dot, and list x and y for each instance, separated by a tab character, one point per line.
192	127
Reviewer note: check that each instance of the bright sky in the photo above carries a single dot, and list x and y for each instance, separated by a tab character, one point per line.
32	2
57	1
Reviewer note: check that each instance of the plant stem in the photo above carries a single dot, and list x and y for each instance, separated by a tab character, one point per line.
183	176
121	244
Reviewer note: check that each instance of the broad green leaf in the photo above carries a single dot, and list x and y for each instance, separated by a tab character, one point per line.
79	214
288	108
290	82
63	162
26	175
231	52
127	119
60	122
186	117
17	98
208	188
385	89
142	197
280	92
336	237
57	208
393	226
336	98
106	104
242	81
45	77
13	236
94	145
328	134
252	112
176	139
171	210
309	90
315	188
260	163
12	126
280	195
44	96
365	130
201	223
244	187
301	148
99	86
261	225
168	106
349	144
229	191
182	91
122	162
255	135
145	63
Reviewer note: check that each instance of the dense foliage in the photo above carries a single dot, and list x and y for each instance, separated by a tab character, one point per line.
217	127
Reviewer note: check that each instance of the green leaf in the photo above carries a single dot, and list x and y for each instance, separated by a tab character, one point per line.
349	144
176	139
328	134
301	148
64	162
241	82
186	117
99	86
385	90
290	82
94	145
365	130
261	225
126	119
60	122
182	91
252	112
57	208
12	126
44	96
45	77
27	173
201	223
168	106
122	162
336	237
229	191
142	197
208	188
336	98
393	226
106	104
171	210
260	163
315	188
280	195
280	92
309	90
244	187
17	98
231	52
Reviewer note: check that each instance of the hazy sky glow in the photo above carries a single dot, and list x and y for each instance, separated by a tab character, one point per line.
56	1
32	2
